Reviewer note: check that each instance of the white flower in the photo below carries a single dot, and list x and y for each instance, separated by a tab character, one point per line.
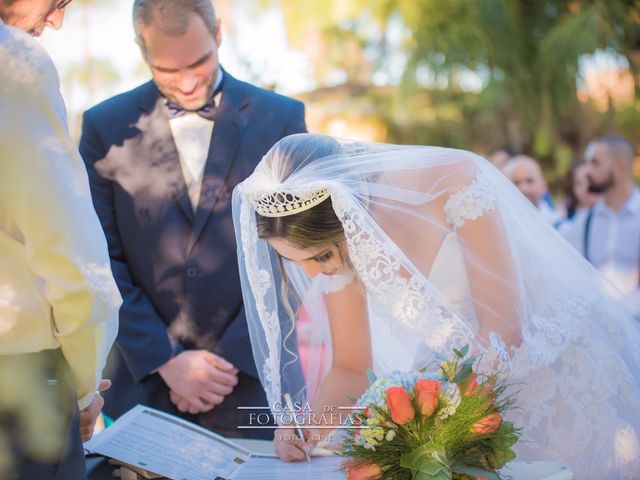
391	434
451	394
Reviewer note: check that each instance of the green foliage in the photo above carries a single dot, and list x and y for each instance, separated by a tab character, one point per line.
524	53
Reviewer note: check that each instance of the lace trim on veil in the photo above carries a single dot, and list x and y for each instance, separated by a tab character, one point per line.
261	282
406	297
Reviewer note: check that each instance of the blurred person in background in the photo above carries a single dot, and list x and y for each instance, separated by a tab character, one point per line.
500	157
163	159
578	196
58	299
526	174
608	234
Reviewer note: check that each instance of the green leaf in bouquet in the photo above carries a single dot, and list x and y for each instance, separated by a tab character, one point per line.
463	374
462	352
475	472
470	361
498	458
427	462
371	376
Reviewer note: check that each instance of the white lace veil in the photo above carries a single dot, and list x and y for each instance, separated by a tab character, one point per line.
447	250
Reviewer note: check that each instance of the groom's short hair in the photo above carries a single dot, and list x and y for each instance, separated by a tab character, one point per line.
170	16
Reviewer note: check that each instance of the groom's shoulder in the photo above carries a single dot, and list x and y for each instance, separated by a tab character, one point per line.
120	105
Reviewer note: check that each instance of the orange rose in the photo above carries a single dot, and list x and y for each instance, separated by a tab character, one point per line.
362	471
400	405
471	386
488	424
427	392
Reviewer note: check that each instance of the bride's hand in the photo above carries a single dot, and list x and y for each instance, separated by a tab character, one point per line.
290	447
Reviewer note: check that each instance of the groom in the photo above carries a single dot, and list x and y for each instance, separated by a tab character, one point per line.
163	160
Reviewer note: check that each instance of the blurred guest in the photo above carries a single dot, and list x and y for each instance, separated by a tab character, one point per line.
608	234
500	157
163	160
578	196
58	299
526	174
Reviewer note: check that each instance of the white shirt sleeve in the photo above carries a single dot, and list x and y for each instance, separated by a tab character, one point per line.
46	194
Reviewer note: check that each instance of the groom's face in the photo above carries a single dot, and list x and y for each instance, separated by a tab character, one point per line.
184	67
33	16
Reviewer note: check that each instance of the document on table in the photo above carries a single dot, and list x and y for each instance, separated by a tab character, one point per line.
174	448
320	468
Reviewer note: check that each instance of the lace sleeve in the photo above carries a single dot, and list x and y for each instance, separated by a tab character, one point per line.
469	203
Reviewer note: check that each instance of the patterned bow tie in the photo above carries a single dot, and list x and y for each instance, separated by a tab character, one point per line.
208	110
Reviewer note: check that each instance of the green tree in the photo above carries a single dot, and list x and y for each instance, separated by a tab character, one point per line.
526	53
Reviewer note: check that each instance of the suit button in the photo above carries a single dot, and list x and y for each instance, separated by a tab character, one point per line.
192	272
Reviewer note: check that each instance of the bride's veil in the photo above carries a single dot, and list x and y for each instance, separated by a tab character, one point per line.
447	250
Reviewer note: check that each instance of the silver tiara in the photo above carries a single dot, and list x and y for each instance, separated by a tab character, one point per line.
282	204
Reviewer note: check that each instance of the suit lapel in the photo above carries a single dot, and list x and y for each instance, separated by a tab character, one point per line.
159	148
228	130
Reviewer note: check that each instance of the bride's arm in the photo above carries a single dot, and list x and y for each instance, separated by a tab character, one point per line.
492	278
351	345
473	211
347	377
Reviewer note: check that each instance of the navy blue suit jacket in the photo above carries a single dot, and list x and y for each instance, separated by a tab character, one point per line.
177	268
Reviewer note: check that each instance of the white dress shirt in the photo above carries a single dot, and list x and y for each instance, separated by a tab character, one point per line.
550	215
56	285
192	136
613	246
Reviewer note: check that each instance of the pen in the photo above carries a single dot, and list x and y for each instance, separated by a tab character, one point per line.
287	399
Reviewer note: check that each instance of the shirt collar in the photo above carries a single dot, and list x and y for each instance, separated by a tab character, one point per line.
632	205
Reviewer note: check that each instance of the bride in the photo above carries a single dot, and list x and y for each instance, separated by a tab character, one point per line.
387	257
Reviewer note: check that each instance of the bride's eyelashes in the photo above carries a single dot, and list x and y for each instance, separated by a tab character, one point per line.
325	257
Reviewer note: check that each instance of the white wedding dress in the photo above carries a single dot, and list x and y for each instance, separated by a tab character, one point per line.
584	406
449	253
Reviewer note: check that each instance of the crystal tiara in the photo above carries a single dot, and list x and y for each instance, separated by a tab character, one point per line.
283	204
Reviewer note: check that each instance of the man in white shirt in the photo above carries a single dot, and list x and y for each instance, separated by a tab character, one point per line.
526	174
608	235
58	299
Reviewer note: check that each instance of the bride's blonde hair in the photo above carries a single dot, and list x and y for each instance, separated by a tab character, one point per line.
318	226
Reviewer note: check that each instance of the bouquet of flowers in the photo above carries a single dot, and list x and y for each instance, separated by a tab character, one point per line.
446	425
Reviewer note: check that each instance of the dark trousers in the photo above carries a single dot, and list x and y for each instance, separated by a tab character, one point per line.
63	459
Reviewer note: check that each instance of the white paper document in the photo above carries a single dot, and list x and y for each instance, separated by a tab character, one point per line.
169	446
273	469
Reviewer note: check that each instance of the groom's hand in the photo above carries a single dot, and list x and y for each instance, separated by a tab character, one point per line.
199	380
